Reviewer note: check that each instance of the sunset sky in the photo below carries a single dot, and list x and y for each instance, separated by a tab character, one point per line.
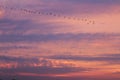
60	39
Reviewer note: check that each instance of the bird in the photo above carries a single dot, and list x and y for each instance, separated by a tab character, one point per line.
25	10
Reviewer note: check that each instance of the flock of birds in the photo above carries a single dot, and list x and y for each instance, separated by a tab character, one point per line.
85	20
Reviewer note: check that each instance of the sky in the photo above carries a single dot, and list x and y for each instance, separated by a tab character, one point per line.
60	39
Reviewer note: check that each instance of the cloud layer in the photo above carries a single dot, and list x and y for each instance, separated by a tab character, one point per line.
60	39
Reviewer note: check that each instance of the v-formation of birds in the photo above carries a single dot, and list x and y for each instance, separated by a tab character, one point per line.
25	10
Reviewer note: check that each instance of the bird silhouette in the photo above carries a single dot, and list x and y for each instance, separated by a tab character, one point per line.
25	10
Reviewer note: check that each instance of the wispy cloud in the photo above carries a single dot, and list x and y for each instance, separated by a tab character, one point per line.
60	39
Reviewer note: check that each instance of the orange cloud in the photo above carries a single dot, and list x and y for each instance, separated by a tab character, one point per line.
1	13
